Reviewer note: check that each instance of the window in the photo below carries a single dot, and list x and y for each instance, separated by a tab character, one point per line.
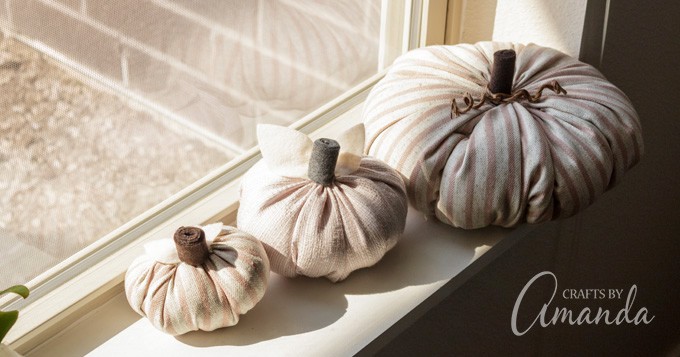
122	120
87	161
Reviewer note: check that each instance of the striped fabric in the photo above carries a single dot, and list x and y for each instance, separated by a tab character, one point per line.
178	298
506	164
312	230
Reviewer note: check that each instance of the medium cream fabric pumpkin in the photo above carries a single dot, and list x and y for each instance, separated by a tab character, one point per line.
203	283
516	161
317	218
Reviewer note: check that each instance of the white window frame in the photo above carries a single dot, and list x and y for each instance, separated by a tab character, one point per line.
92	276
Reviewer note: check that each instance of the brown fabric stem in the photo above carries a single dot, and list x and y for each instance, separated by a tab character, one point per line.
502	72
323	160
498	98
191	245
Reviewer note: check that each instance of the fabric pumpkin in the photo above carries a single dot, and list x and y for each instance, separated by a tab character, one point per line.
526	157
203	280
320	211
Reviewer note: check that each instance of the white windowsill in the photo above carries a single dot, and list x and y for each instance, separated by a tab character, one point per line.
309	316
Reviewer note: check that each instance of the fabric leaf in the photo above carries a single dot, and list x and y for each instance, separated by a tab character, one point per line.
351	150
286	151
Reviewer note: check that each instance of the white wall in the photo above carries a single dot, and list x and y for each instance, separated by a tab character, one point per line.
552	23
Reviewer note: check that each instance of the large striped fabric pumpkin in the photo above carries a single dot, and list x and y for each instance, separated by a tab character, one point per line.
504	162
203	280
321	208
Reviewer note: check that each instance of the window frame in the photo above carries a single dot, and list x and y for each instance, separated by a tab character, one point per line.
92	276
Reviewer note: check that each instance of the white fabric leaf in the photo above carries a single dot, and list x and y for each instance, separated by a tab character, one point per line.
164	250
286	151
351	150
211	232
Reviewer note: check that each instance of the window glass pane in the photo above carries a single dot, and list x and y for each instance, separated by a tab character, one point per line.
109	107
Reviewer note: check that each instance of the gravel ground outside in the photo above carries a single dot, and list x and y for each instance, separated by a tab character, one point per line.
76	162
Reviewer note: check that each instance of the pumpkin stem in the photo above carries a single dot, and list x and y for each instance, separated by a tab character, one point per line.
502	72
323	160
191	245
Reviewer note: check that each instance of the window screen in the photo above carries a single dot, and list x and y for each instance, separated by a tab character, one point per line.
109	107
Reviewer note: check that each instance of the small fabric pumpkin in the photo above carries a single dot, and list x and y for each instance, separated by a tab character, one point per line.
320	208
203	280
529	136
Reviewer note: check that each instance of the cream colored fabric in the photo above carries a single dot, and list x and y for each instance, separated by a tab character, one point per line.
178	298
506	164
287	151
312	230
